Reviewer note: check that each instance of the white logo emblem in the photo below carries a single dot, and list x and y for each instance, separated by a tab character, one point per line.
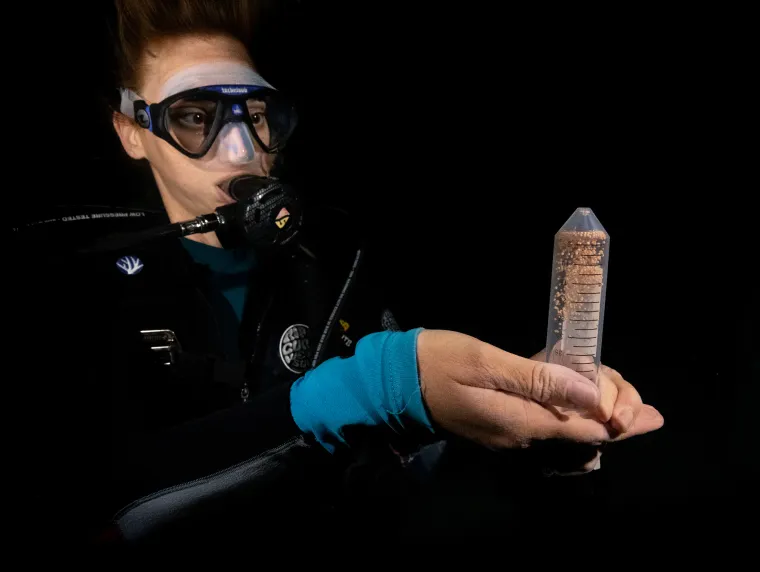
129	265
294	348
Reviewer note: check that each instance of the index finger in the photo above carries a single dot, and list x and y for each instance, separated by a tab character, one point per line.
625	407
545	424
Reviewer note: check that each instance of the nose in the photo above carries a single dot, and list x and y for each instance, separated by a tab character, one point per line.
236	144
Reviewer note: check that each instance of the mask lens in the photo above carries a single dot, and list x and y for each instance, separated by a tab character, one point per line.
272	119
189	122
257	109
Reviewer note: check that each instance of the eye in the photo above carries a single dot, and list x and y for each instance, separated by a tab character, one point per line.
190	117
257	111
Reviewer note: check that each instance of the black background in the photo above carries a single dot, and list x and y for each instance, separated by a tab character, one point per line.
463	138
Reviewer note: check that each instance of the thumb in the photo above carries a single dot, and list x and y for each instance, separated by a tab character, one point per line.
555	384
543	382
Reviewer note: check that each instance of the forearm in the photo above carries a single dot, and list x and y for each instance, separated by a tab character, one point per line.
378	387
149	461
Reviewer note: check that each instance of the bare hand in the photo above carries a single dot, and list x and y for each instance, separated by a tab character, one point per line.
502	400
619	407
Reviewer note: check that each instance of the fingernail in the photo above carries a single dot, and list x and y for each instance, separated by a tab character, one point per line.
598	464
583	395
625	418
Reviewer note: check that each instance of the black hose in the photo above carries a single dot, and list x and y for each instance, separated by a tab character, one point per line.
125	240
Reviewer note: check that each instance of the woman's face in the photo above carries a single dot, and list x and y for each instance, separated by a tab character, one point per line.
187	188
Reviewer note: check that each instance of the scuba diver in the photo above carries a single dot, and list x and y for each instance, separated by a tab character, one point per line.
243	371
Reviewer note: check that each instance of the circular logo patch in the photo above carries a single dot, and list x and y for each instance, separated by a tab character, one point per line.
294	348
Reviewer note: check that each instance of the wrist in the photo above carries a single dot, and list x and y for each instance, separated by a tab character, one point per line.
403	389
379	385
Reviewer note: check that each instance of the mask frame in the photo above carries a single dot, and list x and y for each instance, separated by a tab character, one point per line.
231	106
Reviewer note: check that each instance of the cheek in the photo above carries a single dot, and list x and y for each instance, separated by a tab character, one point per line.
267	162
164	158
173	166
182	175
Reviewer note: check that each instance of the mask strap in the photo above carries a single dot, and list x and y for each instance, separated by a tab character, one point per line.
128	98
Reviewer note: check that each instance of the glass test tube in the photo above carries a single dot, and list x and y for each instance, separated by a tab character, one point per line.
576	305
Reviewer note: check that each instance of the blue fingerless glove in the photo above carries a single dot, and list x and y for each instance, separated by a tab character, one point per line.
378	385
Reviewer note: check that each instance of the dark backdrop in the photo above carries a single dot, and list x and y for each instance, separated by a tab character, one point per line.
463	139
